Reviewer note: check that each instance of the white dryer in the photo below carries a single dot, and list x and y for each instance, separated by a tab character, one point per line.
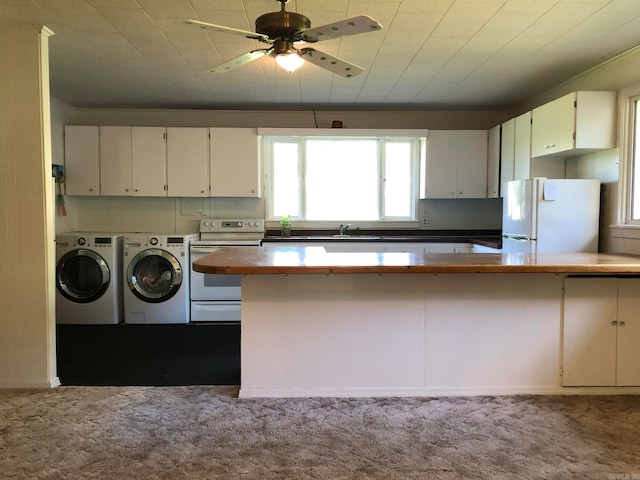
89	278
156	272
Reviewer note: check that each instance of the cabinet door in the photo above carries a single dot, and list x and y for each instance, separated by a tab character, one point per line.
628	371
115	161
507	153
149	165
553	126
493	163
589	340
188	162
472	164
442	164
235	163
81	159
522	150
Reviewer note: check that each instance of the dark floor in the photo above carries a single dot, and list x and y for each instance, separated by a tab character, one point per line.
142	355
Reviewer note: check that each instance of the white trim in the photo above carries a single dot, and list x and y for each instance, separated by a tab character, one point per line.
52	383
341	132
434	392
625	146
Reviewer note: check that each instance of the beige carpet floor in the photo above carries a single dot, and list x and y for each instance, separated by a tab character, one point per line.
203	432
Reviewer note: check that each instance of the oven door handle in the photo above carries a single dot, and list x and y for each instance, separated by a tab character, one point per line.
203	249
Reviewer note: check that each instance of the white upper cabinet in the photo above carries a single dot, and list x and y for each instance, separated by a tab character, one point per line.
133	161
507	152
456	164
574	124
149	168
115	161
493	163
188	162
522	147
472	164
234	162
82	160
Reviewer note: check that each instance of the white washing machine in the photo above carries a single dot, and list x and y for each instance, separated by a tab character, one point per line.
156	273
89	278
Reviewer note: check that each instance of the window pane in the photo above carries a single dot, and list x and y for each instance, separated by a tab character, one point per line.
635	203
286	180
342	180
397	185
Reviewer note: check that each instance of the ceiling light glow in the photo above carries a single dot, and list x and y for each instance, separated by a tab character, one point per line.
290	61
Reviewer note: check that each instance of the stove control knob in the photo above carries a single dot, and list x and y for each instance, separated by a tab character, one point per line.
249	224
153	241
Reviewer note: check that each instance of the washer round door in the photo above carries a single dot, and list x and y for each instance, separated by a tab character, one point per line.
154	275
82	276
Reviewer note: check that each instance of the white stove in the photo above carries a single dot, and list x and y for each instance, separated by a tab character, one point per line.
231	232
216	298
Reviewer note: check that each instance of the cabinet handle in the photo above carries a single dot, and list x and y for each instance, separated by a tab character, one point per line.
135	190
614	323
622	323
550	146
126	189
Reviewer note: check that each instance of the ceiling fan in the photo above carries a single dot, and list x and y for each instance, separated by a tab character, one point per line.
283	30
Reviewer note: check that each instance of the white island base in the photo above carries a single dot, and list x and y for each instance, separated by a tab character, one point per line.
403	335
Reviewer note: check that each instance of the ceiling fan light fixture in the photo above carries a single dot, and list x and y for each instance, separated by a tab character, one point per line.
289	61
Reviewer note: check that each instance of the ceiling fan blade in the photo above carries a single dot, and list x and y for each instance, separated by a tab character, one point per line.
349	26
239	61
220	28
333	64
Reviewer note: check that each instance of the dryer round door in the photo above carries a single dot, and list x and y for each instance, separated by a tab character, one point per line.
82	276
154	275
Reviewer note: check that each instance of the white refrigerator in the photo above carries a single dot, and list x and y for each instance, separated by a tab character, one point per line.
542	215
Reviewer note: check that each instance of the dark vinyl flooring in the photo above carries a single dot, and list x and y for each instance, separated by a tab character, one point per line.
148	355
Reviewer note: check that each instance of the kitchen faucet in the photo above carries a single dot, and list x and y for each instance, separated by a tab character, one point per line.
343	228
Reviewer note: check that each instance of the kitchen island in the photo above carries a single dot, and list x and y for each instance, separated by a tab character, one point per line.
317	323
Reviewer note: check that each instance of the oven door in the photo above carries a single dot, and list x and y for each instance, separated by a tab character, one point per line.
208	287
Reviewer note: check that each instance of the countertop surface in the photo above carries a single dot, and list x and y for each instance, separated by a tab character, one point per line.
315	260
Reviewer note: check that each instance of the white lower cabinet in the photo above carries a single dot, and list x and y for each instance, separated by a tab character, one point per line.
601	337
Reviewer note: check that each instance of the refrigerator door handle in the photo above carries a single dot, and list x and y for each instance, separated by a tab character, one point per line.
517	238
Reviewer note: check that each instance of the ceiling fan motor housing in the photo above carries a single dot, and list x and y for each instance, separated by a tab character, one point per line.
282	25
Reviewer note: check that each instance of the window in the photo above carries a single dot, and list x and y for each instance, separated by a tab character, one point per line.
342	178
629	111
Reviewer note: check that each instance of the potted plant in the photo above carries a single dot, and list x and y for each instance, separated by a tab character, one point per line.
285	225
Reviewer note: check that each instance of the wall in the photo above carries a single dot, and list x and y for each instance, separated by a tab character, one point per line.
62	114
614	75
27	256
175	215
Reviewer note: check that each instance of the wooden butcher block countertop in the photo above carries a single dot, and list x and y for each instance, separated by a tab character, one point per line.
315	260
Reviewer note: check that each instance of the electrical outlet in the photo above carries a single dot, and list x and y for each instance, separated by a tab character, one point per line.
426	222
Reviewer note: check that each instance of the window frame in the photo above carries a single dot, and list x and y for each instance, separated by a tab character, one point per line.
628	116
417	139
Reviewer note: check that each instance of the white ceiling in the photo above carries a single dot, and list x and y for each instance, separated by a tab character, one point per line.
430	54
